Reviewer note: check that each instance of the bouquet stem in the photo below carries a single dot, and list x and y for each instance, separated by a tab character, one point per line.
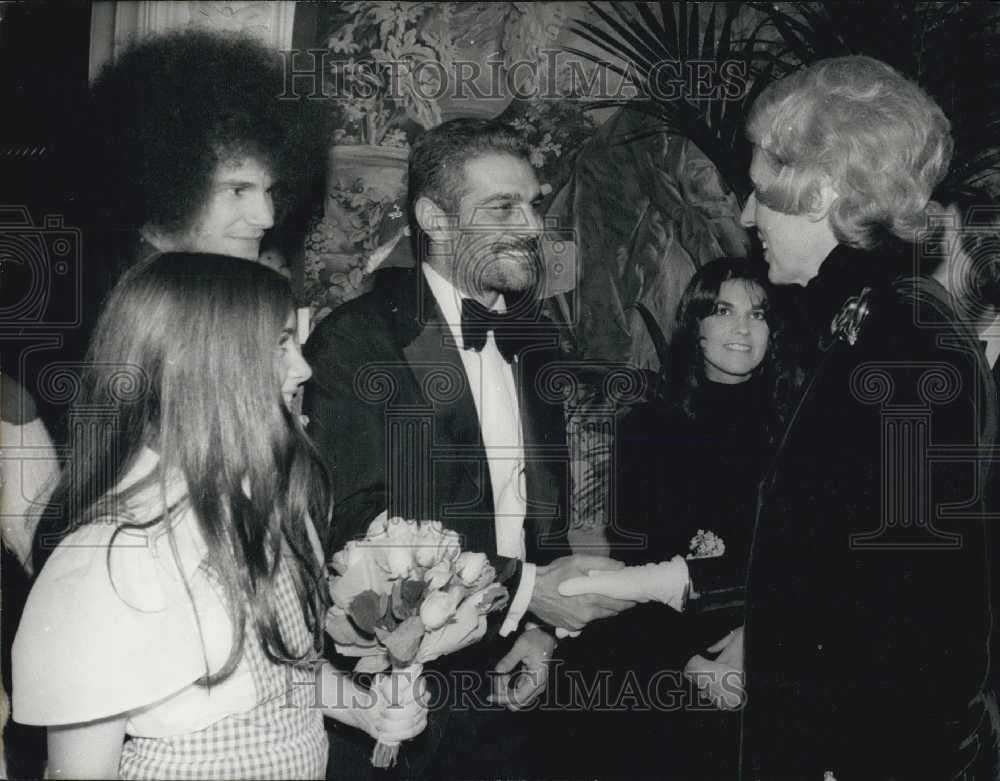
394	687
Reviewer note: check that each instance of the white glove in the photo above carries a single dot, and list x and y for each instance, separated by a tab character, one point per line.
667	582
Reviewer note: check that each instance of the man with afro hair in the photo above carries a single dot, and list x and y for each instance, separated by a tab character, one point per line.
196	146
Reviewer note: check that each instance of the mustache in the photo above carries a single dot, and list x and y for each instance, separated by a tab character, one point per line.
529	245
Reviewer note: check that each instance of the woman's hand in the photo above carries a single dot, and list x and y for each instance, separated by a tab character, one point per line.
721	680
398	708
393	709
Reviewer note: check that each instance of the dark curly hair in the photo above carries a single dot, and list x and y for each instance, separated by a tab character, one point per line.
171	108
437	160
779	376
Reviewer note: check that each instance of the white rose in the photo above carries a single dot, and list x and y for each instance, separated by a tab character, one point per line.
347	557
451	545
399	561
436	609
428	542
396	548
377	527
400	530
437	577
469	566
432	527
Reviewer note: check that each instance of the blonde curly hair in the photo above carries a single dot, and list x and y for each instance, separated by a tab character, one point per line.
858	125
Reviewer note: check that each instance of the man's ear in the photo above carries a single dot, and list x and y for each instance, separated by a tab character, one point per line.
149	234
431	218
156	237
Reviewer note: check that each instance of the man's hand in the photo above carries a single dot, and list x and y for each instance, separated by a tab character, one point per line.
722	680
573	613
533	652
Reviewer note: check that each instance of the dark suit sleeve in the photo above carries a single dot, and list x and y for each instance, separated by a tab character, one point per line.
348	432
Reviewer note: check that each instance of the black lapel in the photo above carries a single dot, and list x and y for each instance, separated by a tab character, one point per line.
443	394
544	456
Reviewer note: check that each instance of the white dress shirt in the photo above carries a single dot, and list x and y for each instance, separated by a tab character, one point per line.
991	335
491	382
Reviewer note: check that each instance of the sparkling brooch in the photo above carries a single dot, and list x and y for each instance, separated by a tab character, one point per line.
706	545
846	326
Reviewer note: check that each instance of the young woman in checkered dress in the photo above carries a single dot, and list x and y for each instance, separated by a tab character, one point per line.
173	631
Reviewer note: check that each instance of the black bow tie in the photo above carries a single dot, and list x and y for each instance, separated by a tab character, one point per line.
478	321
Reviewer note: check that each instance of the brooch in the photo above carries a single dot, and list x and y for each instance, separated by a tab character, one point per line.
846	326
706	545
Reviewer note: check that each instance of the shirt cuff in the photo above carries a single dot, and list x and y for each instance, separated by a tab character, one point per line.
519	604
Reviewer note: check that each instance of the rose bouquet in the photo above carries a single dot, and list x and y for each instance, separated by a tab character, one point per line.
405	595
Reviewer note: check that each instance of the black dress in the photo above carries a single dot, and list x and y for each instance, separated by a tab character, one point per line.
676	475
683	473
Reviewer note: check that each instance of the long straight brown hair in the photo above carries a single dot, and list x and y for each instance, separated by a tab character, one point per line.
185	358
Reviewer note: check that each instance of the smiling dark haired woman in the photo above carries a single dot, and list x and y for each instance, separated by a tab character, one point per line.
687	471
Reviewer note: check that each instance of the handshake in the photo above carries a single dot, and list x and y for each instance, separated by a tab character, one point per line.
575	590
591	587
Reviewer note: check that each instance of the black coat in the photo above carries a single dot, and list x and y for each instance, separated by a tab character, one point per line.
867	612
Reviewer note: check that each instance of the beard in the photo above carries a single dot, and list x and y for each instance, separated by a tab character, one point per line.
499	264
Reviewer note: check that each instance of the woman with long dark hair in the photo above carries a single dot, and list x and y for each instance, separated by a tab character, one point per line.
180	601
731	380
687	470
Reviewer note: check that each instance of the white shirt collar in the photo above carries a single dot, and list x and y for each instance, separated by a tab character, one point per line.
449	300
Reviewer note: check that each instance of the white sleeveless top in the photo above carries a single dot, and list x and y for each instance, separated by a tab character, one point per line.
110	628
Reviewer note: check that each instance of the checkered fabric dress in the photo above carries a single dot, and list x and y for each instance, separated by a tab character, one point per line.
281	738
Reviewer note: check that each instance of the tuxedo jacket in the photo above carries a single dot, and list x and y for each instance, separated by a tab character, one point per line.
391	411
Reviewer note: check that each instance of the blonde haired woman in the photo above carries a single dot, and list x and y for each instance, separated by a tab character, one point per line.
867	618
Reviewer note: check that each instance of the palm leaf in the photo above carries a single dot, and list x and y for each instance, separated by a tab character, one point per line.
708	39
671	38
682	28
693	21
610	44
620	69
626	33
796	35
640	39
656	27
